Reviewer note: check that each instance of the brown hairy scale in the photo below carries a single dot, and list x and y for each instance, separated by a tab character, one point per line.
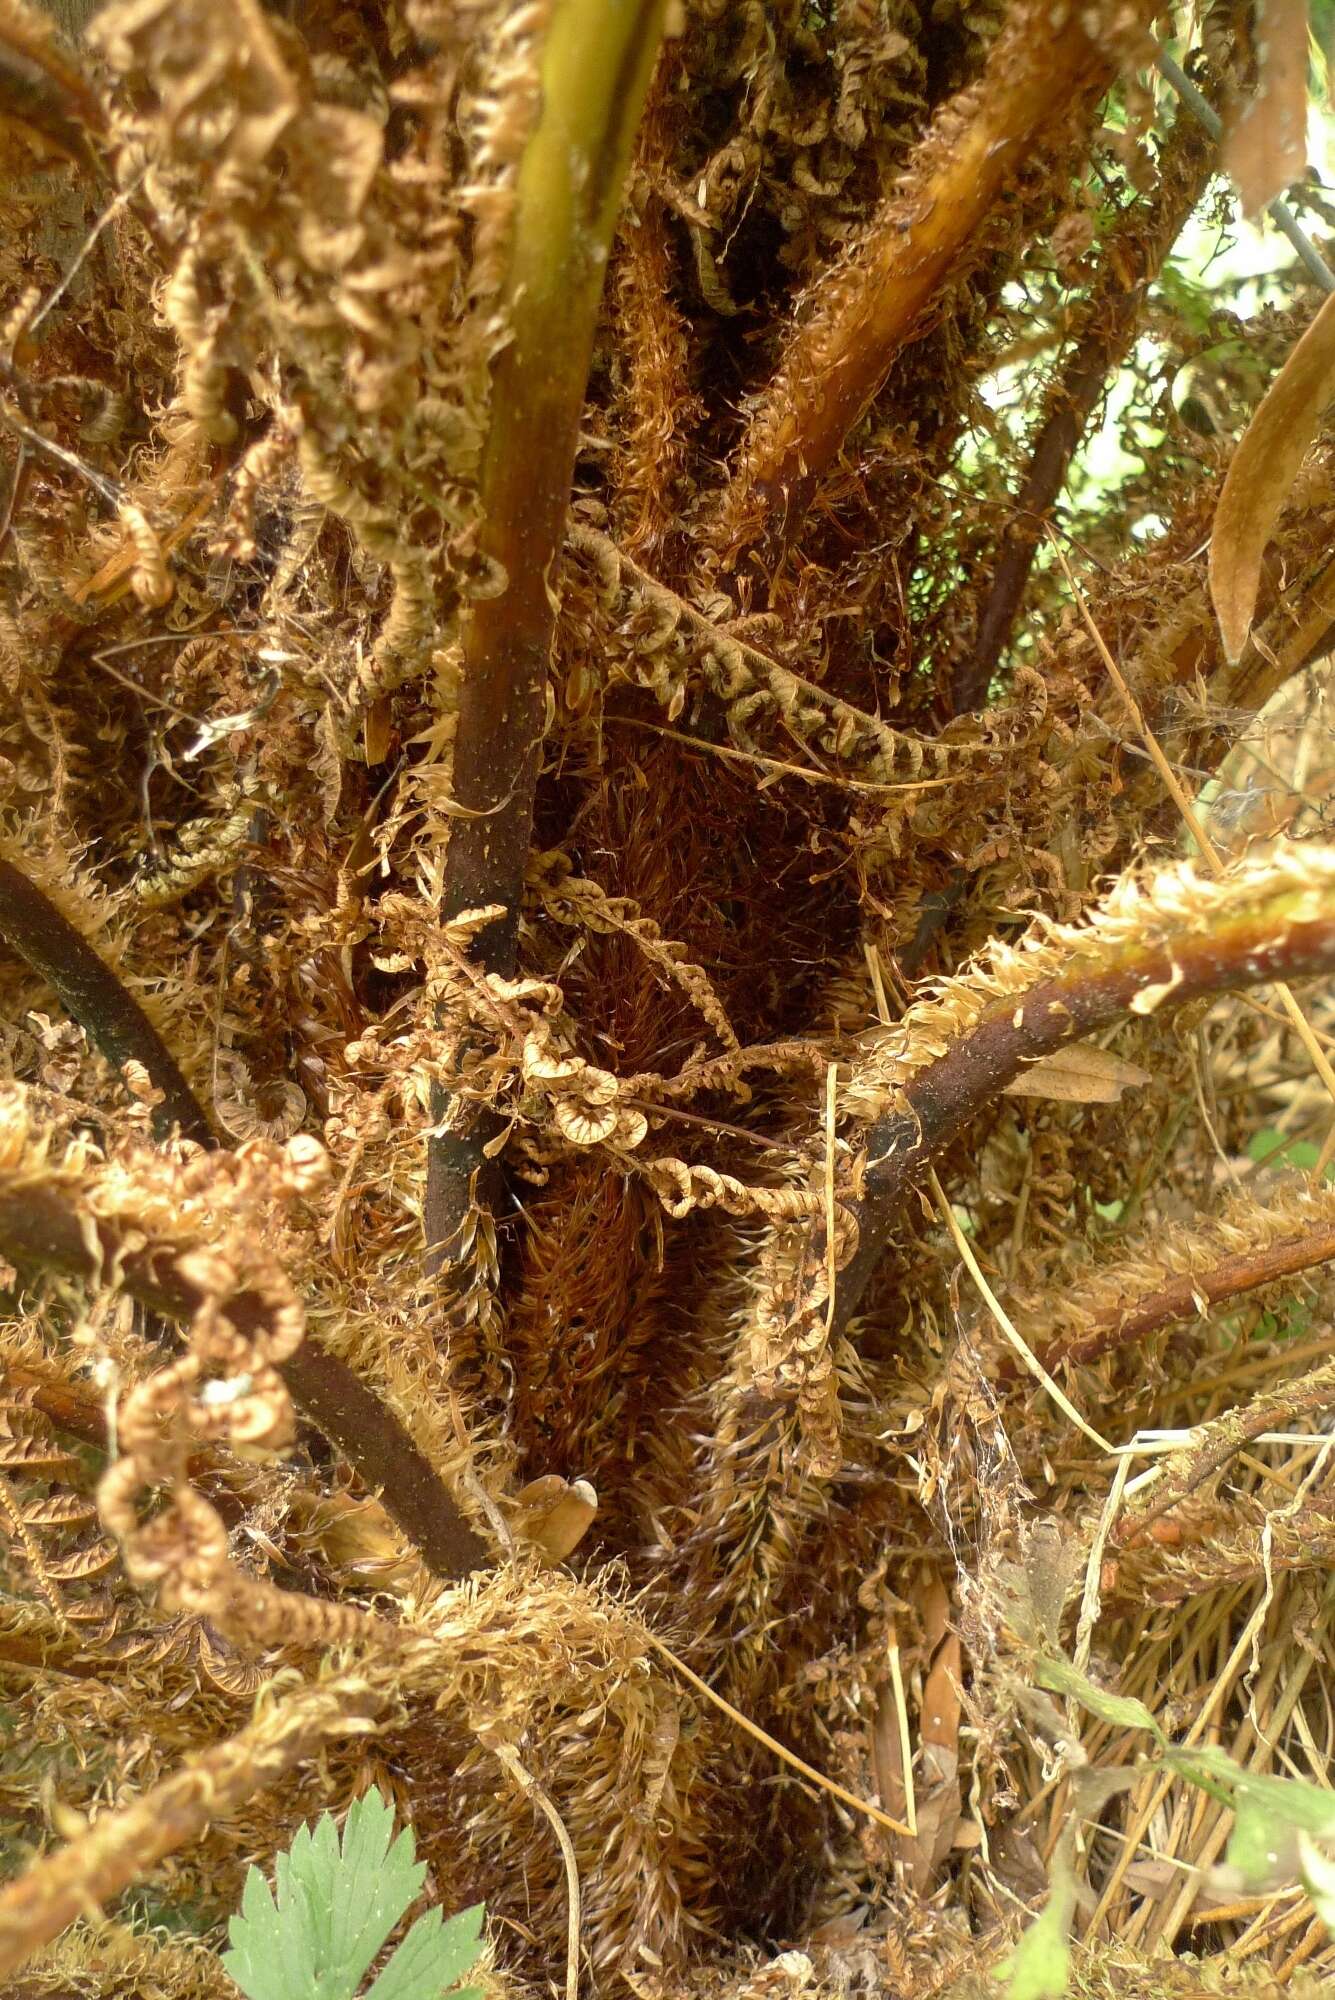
614	1064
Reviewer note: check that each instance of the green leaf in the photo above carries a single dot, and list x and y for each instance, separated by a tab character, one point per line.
1318	1872
1273	1816
378	1882
1119	1710
333	1906
431	1958
1272	1148
1040	1965
461	1941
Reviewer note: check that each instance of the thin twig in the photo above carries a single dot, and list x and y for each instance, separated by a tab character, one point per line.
1213	1444
779	1750
1132	256
831	1206
1278	210
999	1314
531	1789
902	1728
718	1125
106	488
76	263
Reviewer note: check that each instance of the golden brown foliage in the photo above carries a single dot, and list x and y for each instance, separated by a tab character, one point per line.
554	830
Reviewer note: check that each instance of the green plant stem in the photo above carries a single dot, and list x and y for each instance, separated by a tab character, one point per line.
91	992
595	68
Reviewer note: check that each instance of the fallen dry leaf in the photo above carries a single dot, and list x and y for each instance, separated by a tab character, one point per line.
1265	131
939	1801
553	1513
1078	1075
1263	470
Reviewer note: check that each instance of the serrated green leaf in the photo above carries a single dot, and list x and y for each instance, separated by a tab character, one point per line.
333	1906
366	1838
378	1882
411	1973
431	1957
1119	1710
461	1941
261	1943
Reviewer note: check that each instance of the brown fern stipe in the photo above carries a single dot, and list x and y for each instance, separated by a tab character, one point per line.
31	924
666	1095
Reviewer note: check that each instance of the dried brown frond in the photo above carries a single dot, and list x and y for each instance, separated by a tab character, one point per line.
541	792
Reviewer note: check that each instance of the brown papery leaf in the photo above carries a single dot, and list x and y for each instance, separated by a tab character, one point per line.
1264	468
1078	1076
1265	133
554	1513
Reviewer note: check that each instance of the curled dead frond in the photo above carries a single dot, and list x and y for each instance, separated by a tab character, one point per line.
492	739
131	1221
121	1845
572	899
662	642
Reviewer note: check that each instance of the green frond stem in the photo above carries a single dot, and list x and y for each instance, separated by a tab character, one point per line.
595	70
1283	935
122	1846
92	994
42	1227
597	60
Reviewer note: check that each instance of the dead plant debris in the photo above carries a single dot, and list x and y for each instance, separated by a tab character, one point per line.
643	1122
